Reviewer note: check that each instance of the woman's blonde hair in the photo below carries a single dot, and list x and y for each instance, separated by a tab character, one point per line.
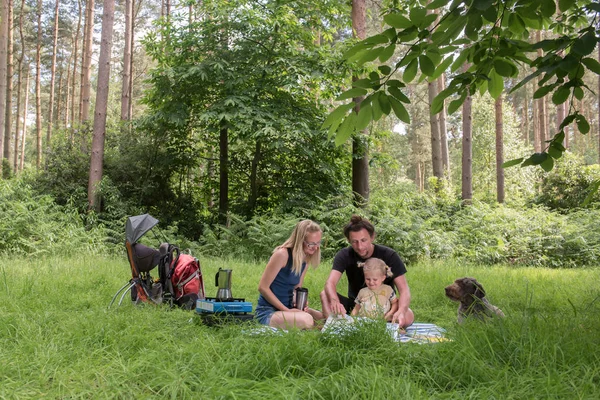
296	243
376	264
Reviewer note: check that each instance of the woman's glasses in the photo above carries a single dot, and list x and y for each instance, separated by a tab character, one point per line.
312	245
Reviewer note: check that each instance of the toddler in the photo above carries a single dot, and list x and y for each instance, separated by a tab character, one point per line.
377	299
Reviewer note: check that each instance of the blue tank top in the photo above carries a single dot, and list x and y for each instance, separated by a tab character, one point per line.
284	283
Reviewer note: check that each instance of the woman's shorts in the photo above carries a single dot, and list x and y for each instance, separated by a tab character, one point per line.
264	313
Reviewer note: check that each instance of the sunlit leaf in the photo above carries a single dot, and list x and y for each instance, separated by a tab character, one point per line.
397	20
426	65
535	159
400	110
495	85
417	14
582	124
564	5
345	130
440	69
397	93
510	163
503	68
364	117
561	95
351	93
337	114
411	71
387	53
547	164
544	90
384	103
585	44
592	65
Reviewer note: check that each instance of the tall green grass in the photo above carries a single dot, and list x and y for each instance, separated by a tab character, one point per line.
58	340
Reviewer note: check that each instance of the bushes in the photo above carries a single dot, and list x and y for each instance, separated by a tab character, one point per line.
420	226
32	224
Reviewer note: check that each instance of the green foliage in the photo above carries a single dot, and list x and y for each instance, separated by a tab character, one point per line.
32	224
569	184
491	37
426	227
254	76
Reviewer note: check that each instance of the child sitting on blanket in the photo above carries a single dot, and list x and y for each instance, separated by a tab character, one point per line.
375	300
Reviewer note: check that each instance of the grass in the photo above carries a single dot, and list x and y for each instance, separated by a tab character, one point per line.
58	340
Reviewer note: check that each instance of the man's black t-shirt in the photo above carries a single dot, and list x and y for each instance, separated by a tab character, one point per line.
346	260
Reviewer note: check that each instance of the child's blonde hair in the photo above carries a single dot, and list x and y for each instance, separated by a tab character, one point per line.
376	264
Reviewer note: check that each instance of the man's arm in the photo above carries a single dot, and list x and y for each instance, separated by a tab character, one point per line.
404	315
329	298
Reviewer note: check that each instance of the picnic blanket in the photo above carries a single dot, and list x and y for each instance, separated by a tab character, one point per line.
418	332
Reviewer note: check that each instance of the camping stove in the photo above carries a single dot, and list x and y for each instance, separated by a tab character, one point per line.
224	307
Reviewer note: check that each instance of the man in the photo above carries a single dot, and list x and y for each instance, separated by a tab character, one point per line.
361	233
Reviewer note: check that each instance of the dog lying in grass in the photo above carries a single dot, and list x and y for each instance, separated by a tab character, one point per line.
471	296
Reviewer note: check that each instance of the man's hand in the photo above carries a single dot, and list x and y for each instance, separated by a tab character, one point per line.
337	307
399	318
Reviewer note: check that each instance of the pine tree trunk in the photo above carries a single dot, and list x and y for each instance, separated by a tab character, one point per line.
443	130
360	149
38	90
97	158
436	146
86	63
24	136
467	152
9	82
19	85
125	99
3	74
52	78
74	103
499	151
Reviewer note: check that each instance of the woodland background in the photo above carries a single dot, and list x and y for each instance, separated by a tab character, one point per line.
219	118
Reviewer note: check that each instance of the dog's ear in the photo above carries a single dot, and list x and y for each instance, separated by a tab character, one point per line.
479	292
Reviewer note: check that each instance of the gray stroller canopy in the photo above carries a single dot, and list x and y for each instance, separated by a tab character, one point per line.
137	226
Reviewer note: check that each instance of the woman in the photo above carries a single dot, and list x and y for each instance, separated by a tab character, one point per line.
285	271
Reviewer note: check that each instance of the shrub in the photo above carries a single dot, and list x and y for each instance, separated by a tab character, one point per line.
32	224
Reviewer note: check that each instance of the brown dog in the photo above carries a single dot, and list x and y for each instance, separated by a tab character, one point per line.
471	296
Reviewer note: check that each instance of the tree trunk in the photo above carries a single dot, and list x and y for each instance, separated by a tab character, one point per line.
537	146
252	198
436	146
24	136
543	135
38	90
86	63
52	77
3	74
74	102
467	152
499	151
360	148
97	158
131	65
223	172
19	85
9	82
125	99
443	131
526	116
